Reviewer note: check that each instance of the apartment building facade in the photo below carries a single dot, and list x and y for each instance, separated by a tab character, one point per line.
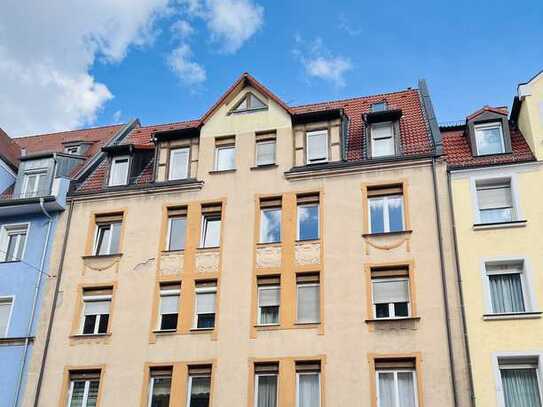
262	255
495	176
35	177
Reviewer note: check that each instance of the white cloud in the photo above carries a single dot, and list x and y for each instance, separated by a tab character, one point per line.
319	62
117	116
188	71
47	49
182	29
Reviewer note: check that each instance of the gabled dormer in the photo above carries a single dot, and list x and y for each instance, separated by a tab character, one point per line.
488	131
382	129
127	163
249	103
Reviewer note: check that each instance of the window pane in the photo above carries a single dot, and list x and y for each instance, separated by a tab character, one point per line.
255	103
496	215
168	321
382	140
115	237
387	392
78	391
377	215
178	231
267	391
102	326
401	309
179	159
506	293
5	310
12	248
520	388
308	304
308	390
308	222
406	389
161	392
89	324
206	321
382	311
199	392
489	140
269	315
119	172
102	241
270	225
211	232
226	158
395	213
93	393
317	146
265	153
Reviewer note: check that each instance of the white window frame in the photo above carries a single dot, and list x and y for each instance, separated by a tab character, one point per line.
327	146
224	147
85	391
515	355
152	386
528	292
386	216
170	219
167	293
257	380
39	173
391	309
203	233
485	126
489	177
189	390
97	235
6	231
173	151
393	141
298	285
262	142
298	374
68	149
203	290
113	164
11	300
318	205
259	316
396	387
94	298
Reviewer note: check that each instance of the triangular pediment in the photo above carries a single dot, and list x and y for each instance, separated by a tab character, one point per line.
249	102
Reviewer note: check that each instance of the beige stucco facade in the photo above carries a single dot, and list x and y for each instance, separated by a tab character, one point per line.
346	342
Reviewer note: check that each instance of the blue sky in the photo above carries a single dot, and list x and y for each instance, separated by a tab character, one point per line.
471	54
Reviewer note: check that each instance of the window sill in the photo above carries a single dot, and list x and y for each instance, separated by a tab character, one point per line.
306	241
307	324
231	170
377	320
83	336
180	251
500	225
267	327
513	315
263	167
10	261
102	256
201	330
398	233
209	249
165	332
269	244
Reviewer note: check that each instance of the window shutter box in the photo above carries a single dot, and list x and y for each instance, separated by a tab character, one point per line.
307	199
385	292
270	203
269	280
109	218
307	278
389	272
395	363
308	366
384	190
161	371
212	208
265	136
177	211
203	370
85	375
87	292
225	141
270	368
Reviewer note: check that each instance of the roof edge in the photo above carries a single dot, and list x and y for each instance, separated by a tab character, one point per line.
428	108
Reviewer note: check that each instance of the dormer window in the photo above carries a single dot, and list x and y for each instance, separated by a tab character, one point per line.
33	183
379	107
248	103
489	138
119	171
179	163
317	146
382	139
73	150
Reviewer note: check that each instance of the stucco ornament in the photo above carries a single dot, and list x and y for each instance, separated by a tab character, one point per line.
171	263
308	253
207	262
268	257
387	242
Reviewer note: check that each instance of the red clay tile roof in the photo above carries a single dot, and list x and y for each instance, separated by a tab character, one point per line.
143	135
458	151
9	150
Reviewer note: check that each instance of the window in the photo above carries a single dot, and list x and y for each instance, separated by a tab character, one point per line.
83	391
495	201
211	226
308	298
13	242
160	383
520	381
308	218
266	376
248	103
96	309
71	150
382	139
270	221
269	296
489	139
379	107
177	228
5	315
265	151
206	293
308	386
225	154
179	163
317	146
169	306
119	171
396	387
390	293
386	209
34	184
507	286
199	386
108	234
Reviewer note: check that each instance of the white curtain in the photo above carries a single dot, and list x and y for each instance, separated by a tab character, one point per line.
308	303
520	388
506	293
387	390
406	389
267	391
308	390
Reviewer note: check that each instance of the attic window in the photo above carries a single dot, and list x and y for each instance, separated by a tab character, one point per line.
72	149
489	138
379	107
248	103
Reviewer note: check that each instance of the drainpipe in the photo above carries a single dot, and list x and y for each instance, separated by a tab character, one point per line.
461	293
444	283
34	304
54	307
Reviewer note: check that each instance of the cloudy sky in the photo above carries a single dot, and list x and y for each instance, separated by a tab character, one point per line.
71	63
